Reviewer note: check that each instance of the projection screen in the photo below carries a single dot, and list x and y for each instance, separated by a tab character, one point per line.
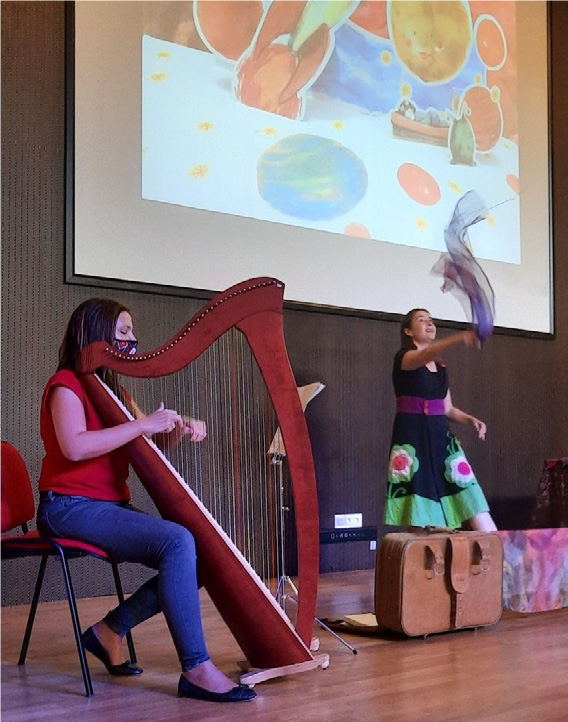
322	143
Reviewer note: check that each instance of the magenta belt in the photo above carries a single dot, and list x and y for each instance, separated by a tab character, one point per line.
416	405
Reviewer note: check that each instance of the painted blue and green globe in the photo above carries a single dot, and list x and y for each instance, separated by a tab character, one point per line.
311	177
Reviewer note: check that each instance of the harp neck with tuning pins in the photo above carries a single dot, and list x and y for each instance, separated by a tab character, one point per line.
250	316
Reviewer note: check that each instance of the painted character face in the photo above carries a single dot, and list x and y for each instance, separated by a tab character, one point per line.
124	338
432	37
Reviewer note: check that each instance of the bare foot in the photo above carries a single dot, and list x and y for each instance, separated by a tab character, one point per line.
110	641
207	675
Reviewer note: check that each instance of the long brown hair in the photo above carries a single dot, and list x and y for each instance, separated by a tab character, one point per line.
405	341
93	320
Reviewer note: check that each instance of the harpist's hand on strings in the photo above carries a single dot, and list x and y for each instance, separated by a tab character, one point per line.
162	421
194	428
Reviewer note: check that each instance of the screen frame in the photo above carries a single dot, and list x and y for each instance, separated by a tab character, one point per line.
74	278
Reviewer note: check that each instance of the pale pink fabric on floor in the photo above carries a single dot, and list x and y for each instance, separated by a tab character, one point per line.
535	573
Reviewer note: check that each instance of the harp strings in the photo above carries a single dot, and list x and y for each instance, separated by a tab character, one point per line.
231	471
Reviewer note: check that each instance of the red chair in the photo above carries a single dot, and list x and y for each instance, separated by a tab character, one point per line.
18	509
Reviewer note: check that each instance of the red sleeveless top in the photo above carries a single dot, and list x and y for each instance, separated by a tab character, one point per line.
102	478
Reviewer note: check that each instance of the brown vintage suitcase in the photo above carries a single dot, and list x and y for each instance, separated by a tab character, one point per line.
438	581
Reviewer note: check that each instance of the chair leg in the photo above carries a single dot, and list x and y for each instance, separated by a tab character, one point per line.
76	625
120	595
33	609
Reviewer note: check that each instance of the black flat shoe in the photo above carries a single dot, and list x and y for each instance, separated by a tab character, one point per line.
92	645
242	693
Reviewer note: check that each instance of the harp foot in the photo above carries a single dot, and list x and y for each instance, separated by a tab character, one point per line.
262	675
314	644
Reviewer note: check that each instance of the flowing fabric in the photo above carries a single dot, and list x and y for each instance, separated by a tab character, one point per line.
462	274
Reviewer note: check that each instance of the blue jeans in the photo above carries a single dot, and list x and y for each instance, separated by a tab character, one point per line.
132	536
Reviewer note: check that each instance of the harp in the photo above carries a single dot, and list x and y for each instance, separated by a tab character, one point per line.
253	312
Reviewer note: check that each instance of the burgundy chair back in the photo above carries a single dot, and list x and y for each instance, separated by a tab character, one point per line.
18	505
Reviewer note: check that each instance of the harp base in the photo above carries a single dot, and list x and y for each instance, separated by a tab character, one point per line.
256	676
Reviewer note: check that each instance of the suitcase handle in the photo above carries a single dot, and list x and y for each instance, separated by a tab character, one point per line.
440	530
481	557
433	563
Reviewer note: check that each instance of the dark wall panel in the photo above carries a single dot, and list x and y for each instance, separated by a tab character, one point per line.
517	385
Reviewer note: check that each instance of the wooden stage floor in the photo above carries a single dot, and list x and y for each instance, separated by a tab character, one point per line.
516	671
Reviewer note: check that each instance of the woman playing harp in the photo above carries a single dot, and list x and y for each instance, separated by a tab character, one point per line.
84	496
232	350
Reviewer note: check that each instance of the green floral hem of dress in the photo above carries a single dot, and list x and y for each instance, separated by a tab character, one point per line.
450	511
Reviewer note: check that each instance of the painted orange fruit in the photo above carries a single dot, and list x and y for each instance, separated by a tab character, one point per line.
357	230
372	17
490	42
486	117
226	27
418	184
513	183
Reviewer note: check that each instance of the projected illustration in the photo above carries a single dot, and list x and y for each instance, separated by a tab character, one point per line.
368	119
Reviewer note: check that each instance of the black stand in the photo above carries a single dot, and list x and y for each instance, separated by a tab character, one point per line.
285	582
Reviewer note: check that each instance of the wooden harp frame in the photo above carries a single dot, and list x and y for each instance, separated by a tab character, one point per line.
264	633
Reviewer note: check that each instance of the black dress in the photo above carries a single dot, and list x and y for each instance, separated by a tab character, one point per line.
430	481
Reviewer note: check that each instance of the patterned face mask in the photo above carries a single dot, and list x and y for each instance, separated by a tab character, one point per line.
129	347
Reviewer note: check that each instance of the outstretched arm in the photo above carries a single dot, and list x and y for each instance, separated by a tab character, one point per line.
77	443
460	417
415	359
